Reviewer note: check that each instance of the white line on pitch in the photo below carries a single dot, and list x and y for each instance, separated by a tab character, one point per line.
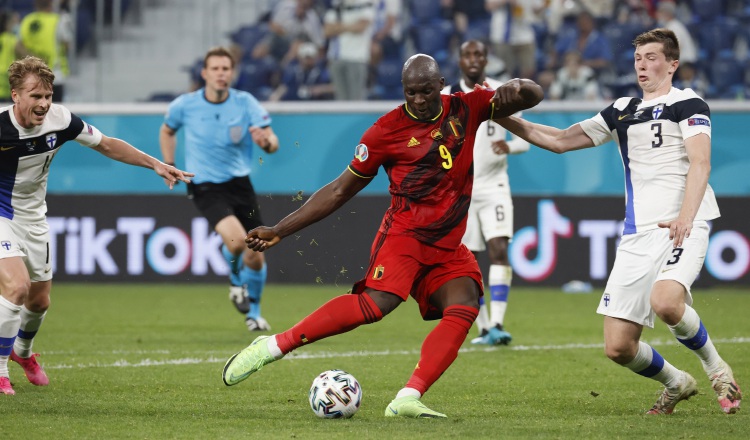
122	363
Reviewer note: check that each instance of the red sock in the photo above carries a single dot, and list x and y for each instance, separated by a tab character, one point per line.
440	348
339	315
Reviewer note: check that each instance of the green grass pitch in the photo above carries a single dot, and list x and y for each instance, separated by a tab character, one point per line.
144	362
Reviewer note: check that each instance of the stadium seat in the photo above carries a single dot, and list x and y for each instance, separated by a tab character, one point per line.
84	28
248	36
478	29
424	11
707	10
716	36
621	35
434	39
388	83
727	77
256	76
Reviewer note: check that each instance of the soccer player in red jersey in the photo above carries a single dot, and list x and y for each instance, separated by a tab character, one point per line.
426	148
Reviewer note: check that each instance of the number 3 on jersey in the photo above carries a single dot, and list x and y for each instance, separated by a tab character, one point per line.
446	154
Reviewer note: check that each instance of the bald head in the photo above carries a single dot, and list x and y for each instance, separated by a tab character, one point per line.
420	67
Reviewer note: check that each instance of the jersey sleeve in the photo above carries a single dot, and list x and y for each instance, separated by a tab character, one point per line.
599	128
259	116
369	155
173	118
695	117
82	132
479	101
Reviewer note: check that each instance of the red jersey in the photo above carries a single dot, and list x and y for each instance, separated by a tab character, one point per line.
429	166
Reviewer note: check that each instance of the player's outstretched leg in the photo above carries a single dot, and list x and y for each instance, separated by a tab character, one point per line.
251	359
339	315
410	406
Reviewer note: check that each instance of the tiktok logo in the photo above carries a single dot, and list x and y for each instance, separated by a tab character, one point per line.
550	225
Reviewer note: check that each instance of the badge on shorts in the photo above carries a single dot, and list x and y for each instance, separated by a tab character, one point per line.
236	133
378	272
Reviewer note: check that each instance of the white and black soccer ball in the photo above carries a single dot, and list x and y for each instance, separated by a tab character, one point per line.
335	394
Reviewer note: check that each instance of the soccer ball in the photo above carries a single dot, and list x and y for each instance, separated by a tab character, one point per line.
335	394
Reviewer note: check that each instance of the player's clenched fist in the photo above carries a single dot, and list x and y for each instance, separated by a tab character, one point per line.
514	96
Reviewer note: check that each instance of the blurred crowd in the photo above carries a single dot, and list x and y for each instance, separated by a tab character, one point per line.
355	49
576	49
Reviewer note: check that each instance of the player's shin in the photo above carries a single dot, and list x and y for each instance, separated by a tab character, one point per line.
30	324
440	348
693	335
10	320
235	265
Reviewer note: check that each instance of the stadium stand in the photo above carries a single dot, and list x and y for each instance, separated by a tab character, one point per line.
721	29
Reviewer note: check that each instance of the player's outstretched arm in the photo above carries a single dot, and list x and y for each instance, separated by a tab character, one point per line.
516	95
319	206
122	151
550	138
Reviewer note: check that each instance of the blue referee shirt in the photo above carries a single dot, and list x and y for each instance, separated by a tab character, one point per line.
218	145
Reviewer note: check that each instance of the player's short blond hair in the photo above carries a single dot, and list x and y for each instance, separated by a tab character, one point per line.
30	65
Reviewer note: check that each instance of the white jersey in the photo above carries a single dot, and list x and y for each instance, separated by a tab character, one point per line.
490	169
651	138
25	157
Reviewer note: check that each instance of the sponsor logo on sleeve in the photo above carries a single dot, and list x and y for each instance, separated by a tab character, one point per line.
699	121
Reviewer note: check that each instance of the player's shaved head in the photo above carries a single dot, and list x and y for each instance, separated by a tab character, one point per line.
422	85
420	67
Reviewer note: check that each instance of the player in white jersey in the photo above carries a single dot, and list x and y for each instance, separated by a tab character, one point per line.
490	217
665	144
32	130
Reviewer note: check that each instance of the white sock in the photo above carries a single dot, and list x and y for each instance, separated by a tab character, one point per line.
408	392
500	280
273	347
483	321
649	363
693	335
10	320
30	323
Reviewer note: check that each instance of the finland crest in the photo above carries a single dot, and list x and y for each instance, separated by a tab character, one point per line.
51	140
657	111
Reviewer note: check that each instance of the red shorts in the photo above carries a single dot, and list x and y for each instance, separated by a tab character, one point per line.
406	267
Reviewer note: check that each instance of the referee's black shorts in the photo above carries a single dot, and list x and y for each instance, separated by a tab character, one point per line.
217	201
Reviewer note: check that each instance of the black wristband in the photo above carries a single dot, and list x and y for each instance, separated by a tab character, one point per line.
171	164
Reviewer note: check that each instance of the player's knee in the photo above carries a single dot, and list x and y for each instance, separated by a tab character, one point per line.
16	290
236	247
384	301
39	304
667	309
619	353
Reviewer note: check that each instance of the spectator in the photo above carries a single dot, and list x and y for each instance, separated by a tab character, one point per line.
589	42
388	33
348	25
11	49
293	22
48	36
512	34
574	81
688	77
304	79
666	15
